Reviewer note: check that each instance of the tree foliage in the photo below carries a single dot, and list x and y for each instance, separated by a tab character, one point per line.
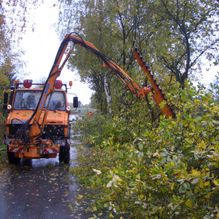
192	28
5	59
174	37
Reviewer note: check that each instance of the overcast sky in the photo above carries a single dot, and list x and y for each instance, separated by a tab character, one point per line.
40	45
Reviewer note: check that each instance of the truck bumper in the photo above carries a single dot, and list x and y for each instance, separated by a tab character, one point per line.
34	151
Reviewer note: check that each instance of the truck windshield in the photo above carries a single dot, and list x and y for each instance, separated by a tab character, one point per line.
26	99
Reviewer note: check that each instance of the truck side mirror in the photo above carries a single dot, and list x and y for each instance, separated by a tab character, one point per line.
75	102
5	102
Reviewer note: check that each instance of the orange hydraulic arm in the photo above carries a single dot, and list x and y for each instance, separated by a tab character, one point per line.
140	92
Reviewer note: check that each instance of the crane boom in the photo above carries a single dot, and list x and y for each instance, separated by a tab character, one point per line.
135	88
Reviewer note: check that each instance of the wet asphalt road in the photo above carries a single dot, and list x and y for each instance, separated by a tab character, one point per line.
42	190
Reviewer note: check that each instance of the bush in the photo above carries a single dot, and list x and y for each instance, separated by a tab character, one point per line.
2	146
100	128
168	171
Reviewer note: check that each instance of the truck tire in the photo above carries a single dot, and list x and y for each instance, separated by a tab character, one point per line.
64	155
12	159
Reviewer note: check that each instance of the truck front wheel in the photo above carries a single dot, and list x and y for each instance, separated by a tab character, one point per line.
12	159
64	155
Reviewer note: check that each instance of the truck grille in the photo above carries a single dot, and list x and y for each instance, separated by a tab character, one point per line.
13	129
54	131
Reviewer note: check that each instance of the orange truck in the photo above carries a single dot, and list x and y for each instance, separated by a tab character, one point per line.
40	129
54	139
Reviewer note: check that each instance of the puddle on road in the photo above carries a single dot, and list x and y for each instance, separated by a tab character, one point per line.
44	189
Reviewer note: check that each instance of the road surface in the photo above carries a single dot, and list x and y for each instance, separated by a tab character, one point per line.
42	190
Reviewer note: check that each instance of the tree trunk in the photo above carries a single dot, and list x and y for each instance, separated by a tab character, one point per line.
108	94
